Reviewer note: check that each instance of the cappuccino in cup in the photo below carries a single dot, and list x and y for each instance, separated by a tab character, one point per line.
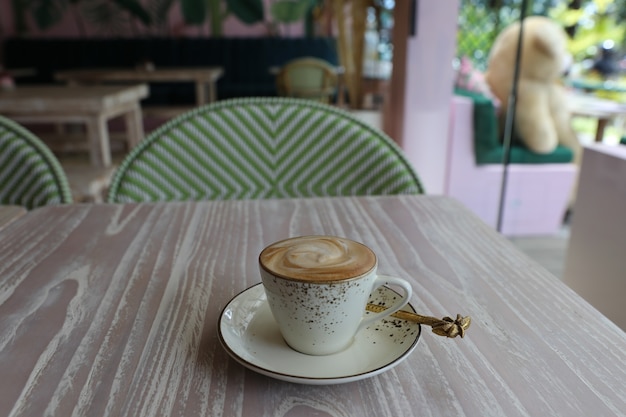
317	289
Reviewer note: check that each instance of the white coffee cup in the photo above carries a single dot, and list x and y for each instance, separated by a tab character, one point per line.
318	287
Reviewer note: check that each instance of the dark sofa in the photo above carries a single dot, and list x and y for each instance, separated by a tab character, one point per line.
246	61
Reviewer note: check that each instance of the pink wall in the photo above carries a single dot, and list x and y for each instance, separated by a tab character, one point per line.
429	82
175	27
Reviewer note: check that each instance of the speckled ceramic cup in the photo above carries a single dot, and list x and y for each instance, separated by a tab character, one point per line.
317	288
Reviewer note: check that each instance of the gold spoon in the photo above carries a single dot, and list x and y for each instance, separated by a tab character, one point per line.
447	326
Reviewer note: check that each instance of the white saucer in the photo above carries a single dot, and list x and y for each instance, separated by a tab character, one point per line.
249	334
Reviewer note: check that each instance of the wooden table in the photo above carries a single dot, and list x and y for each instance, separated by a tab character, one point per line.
602	109
204	79
113	309
92	106
10	213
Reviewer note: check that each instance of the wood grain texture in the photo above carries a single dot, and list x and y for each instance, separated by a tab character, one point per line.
10	213
112	310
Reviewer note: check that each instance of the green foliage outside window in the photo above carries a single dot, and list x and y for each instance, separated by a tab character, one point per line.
590	22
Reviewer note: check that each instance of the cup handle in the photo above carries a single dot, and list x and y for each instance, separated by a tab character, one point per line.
379	282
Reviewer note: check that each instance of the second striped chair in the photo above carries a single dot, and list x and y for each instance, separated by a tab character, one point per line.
30	175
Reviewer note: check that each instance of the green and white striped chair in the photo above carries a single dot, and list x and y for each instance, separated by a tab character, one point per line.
30	174
262	148
308	77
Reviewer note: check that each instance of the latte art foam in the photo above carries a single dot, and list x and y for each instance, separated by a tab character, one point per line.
318	258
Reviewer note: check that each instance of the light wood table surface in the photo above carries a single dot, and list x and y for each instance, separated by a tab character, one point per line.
204	79
113	310
10	213
93	106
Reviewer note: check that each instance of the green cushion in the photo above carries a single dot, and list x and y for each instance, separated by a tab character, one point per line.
262	148
488	147
521	155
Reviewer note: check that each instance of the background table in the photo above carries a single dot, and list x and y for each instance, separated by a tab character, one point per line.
610	86
94	106
204	79
112	310
602	109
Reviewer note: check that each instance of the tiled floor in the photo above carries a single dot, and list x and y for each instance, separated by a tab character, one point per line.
88	184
